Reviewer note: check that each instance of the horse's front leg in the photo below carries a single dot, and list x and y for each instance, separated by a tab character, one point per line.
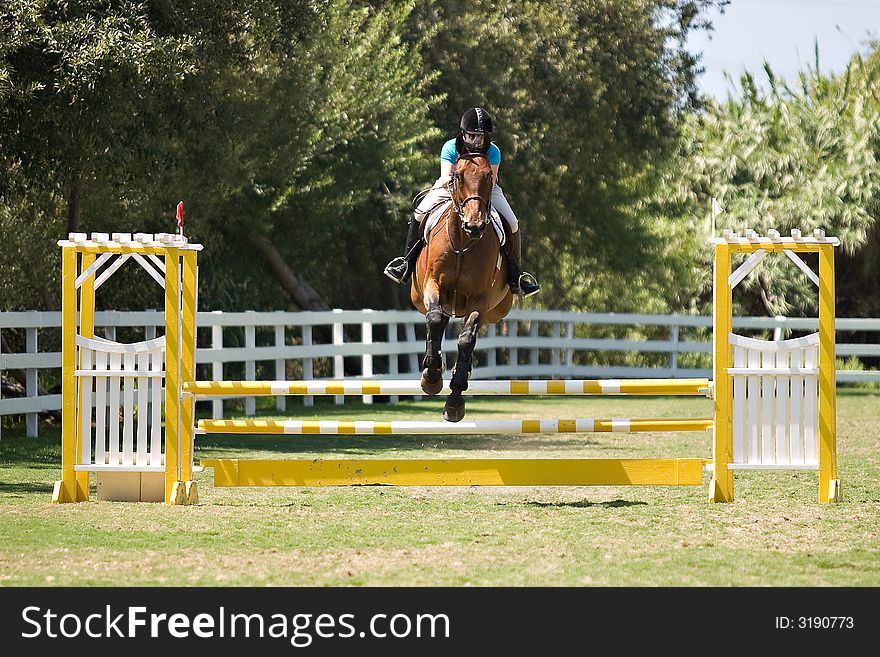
467	340
436	321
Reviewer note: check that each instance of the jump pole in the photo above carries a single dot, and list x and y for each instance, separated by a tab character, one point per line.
458	472
575	387
441	427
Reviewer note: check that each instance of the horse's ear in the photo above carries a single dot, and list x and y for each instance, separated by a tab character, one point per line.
459	144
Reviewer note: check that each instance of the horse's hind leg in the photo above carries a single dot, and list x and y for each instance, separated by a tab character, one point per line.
467	340
432	365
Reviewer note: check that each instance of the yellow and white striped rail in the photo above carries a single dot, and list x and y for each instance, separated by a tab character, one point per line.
585	425
692	387
458	472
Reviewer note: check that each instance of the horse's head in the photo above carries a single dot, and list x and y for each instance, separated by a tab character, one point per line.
471	188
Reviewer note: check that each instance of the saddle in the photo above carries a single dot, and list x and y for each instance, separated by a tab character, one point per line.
429	222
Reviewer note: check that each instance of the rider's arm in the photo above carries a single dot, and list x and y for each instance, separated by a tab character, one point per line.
494	161
448	156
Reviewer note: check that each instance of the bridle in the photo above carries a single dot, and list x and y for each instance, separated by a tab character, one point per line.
458	208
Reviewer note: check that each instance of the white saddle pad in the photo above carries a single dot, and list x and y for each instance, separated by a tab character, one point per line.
494	218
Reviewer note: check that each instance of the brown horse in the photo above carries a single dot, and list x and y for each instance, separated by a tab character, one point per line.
460	273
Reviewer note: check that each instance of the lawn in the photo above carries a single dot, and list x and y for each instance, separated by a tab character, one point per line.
774	534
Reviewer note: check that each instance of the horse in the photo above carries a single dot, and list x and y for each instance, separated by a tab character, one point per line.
460	273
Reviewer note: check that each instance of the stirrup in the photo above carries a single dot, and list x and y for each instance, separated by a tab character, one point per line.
528	280
392	269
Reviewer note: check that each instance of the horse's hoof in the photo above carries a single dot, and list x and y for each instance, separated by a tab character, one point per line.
432	382
453	413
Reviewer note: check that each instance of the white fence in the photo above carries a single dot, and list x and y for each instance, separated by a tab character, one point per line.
390	344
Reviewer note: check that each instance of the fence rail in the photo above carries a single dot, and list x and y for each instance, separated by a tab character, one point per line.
388	344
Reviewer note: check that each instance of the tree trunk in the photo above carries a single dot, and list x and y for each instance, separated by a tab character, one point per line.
46	296
302	294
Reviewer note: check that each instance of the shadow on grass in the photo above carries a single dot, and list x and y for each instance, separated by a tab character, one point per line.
295	444
27	487
584	504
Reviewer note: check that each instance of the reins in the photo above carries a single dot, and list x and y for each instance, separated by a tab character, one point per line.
458	210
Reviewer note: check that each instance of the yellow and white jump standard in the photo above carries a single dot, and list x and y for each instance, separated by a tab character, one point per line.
774	400
111	392
775	403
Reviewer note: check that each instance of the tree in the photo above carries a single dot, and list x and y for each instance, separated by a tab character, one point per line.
279	123
327	161
784	157
81	86
79	83
587	98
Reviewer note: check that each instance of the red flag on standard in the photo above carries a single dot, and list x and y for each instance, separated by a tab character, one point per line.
180	215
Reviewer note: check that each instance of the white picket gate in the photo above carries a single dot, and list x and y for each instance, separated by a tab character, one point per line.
775	403
120	422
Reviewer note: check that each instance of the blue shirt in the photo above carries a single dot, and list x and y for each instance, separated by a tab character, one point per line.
449	154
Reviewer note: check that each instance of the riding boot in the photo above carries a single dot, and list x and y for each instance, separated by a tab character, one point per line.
399	269
518	280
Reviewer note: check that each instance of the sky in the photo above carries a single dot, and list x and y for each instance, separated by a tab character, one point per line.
784	33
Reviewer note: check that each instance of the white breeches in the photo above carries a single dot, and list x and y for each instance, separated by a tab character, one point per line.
500	203
439	193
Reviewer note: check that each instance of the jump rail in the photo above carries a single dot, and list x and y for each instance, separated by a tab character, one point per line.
458	472
576	387
413	427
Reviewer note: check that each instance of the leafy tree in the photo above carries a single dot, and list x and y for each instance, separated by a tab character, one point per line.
783	157
79	82
279	123
587	98
331	157
81	85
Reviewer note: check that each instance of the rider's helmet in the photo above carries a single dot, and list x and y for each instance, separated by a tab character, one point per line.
476	131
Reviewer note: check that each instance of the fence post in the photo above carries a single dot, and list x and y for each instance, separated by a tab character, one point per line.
280	369
569	351
149	334
217	368
308	363
338	360
554	353
491	332
250	367
33	419
779	328
392	358
413	357
534	360
367	359
673	355
513	359
449	346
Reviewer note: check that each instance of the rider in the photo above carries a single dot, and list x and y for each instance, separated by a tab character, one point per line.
474	137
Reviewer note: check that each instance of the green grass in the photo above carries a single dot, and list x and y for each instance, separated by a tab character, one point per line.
774	534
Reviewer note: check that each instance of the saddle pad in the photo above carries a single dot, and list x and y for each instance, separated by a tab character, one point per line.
494	218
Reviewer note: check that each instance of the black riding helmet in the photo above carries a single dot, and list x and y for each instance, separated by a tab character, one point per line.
476	121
